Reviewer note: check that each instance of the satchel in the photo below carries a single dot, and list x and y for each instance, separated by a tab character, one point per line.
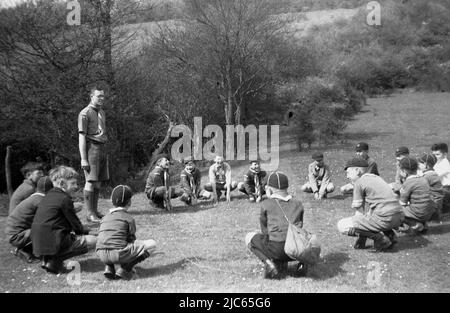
300	244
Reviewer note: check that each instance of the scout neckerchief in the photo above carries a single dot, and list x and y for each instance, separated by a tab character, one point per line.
192	181
256	181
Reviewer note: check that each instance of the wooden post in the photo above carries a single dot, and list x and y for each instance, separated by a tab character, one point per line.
8	171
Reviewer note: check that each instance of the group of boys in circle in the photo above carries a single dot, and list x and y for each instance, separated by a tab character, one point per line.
43	225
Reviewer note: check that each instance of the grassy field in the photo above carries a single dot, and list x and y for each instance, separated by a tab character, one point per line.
203	247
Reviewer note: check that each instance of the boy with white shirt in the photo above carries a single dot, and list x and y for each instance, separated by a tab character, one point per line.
442	168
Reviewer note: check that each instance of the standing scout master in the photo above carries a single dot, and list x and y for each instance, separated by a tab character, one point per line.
94	161
318	178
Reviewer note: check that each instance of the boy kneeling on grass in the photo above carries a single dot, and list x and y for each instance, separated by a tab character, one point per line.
415	197
268	245
385	213
117	242
57	233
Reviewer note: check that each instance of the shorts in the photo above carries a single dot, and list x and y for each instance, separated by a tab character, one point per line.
265	249
98	162
21	239
122	256
371	222
79	245
419	216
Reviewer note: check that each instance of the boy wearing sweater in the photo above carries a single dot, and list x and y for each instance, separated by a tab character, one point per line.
57	233
426	163
117	244
319	178
384	215
253	185
268	245
415	197
32	172
18	223
400	153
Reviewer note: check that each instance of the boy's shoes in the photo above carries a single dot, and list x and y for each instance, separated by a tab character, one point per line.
110	271
51	265
282	267
271	271
93	219
258	200
392	236
360	243
302	270
404	228
382	243
158	205
121	273
420	228
251	198
25	256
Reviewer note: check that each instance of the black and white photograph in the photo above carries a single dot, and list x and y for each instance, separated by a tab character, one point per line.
238	147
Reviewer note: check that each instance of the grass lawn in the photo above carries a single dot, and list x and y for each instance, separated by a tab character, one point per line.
203	247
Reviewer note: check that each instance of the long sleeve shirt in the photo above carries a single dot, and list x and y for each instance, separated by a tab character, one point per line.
158	177
318	177
190	182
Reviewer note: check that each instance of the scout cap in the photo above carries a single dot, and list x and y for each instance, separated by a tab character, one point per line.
278	180
120	196
362	146
401	151
429	159
356	162
408	164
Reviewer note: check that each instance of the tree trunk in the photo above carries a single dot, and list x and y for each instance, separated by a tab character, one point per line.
8	171
237	117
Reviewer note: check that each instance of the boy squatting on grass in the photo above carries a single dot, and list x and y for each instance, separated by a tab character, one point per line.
254	184
362	151
116	243
426	163
190	179
18	223
415	196
319	178
220	180
268	245
400	153
56	232
385	212
32	172
157	187
442	168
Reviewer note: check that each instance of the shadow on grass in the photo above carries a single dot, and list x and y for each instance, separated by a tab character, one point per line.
166	269
410	242
331	266
94	265
438	229
340	196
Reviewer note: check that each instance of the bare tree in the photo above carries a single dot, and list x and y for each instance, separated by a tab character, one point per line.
228	43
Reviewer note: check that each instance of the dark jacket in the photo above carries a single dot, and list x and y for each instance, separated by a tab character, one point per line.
158	177
55	219
26	189
22	216
190	182
273	222
250	180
